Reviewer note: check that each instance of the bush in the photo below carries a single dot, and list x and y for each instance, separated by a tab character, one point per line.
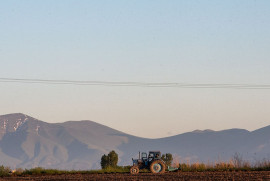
33	171
4	171
117	169
184	167
167	158
263	165
18	171
109	160
223	166
40	170
198	167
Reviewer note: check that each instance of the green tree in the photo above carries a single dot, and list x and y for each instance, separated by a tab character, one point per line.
167	158
104	161
4	171
113	158
109	160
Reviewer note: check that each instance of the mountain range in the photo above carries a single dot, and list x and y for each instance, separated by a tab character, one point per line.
27	142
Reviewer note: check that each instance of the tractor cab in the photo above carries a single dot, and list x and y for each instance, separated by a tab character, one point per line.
144	157
154	155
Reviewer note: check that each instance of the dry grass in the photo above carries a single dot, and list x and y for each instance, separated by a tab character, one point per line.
226	166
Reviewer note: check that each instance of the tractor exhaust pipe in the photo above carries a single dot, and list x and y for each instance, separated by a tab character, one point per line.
139	155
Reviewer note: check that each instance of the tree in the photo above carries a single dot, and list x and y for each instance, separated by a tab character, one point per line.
113	158
109	160
104	161
167	158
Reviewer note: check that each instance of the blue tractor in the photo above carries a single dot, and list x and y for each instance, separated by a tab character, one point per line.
153	162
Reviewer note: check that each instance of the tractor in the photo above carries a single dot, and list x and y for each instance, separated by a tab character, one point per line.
152	162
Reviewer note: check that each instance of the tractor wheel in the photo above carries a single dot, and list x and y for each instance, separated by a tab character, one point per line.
134	170
157	167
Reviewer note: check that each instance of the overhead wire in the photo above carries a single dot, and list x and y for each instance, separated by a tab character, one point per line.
136	84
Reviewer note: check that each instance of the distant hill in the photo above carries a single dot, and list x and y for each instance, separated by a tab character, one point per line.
27	142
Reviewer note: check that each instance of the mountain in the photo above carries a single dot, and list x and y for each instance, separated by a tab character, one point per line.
27	142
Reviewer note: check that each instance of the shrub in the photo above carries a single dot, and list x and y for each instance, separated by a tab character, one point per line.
184	167
263	165
198	167
167	158
117	169
4	171
34	171
224	166
109	160
18	171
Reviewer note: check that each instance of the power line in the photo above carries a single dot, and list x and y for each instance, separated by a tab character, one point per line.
135	84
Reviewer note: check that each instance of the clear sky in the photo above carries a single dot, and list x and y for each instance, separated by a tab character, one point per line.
189	41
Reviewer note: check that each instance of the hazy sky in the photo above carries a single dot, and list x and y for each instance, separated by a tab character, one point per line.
188	41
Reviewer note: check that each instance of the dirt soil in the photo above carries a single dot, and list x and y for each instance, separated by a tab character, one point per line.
187	176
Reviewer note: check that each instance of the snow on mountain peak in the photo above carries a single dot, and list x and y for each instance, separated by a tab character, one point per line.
11	122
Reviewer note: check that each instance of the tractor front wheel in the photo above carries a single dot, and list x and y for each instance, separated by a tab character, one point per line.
134	170
157	167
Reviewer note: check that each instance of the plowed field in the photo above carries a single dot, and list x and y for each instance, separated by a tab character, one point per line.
233	176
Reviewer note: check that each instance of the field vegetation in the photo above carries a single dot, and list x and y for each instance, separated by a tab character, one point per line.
183	167
224	166
109	165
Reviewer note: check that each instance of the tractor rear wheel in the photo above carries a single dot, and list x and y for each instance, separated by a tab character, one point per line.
134	170
157	167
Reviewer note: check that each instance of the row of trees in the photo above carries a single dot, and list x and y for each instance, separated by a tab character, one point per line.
109	160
